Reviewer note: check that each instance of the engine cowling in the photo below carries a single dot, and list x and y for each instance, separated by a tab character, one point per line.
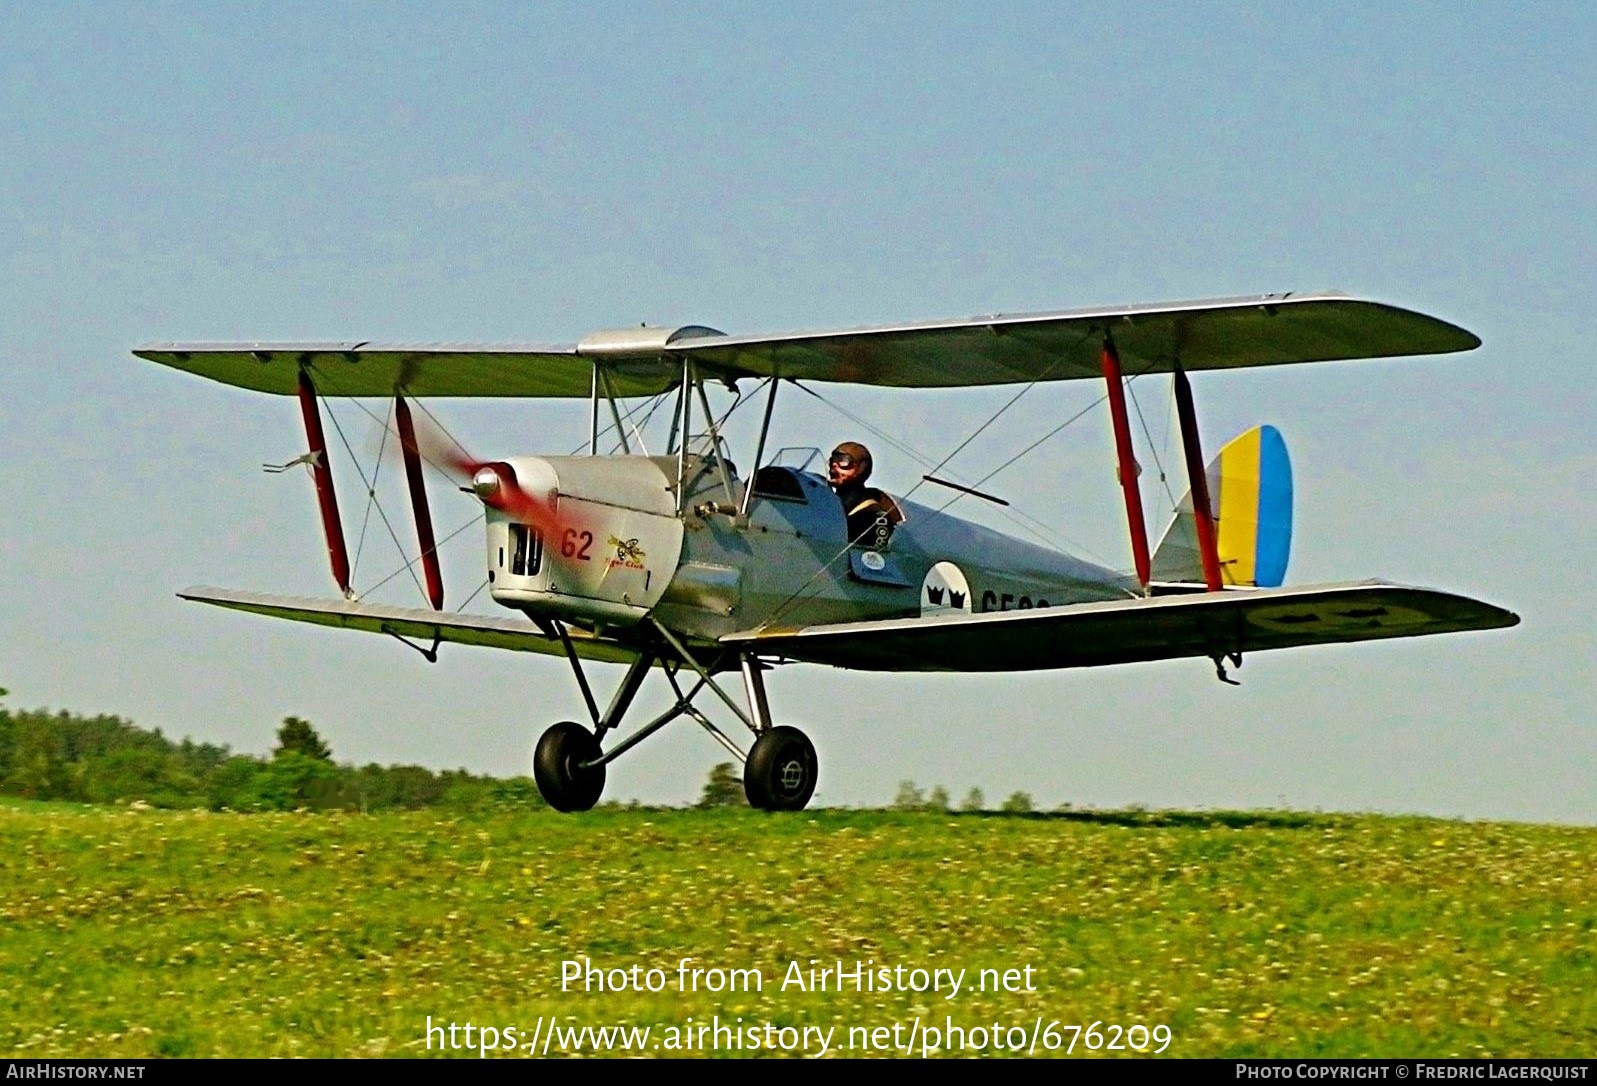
607	551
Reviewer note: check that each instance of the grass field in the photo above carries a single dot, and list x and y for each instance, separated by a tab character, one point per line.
136	933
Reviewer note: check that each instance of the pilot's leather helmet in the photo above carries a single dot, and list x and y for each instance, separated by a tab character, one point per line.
856	452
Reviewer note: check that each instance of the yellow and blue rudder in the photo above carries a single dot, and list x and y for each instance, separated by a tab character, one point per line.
1250	490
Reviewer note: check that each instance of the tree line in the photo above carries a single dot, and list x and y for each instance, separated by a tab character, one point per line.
107	759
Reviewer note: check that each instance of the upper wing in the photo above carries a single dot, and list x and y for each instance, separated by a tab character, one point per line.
1161	628
382	369
1269	330
498	633
1266	330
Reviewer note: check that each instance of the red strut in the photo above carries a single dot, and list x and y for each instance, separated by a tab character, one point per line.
418	503
337	553
1197	482
1128	465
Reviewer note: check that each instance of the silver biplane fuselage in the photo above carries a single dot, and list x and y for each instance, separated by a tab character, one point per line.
628	549
674	565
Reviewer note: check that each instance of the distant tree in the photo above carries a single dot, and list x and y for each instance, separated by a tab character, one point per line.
724	788
139	773
298	737
410	787
466	793
973	801
909	797
8	743
294	780
238	784
1017	803
937	799
38	767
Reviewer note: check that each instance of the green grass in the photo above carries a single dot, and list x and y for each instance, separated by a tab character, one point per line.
128	933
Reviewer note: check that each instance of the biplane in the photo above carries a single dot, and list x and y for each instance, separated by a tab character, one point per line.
678	561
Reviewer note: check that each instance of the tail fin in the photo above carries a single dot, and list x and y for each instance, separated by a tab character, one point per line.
1250	487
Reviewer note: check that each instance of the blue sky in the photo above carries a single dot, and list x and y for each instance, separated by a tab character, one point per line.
488	172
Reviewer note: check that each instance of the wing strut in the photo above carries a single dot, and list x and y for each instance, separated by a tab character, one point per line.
418	504
1198	483
332	527
1128	464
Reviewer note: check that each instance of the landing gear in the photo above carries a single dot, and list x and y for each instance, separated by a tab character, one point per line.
780	772
562	766
569	765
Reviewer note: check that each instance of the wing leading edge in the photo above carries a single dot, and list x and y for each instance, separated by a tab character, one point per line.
1161	628
415	623
1225	333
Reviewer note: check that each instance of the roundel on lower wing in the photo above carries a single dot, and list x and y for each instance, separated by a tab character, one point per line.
1336	617
944	589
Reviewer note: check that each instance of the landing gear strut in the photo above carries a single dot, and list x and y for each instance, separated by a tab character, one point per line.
780	769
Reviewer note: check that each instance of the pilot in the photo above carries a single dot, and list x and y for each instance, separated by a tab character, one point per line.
872	515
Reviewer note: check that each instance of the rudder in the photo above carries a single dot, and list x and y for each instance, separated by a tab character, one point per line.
1250	490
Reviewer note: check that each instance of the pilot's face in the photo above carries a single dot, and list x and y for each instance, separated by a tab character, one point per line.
843	470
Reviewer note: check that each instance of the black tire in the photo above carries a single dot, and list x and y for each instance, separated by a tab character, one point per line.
555	766
781	770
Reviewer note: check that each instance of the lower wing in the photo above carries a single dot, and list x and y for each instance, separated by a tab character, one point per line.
416	623
1162	628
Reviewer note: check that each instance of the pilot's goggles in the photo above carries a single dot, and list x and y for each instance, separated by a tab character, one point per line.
843	460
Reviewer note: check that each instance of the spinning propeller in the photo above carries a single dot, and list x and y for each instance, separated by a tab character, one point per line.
493	481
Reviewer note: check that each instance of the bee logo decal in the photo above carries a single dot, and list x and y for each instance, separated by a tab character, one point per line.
628	553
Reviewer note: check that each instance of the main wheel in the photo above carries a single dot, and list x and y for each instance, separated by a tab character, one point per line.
557	767
780	772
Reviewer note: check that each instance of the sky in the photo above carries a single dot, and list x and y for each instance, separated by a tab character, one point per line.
493	172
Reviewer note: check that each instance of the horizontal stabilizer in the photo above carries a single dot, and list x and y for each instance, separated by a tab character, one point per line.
1206	624
416	623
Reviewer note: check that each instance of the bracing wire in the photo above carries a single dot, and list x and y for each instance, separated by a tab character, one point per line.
387	429
474	593
639	429
385	425
1016	515
627	416
1045	534
1042	530
464	454
1013	400
371	500
1164	476
922	458
798	593
371	489
410	566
